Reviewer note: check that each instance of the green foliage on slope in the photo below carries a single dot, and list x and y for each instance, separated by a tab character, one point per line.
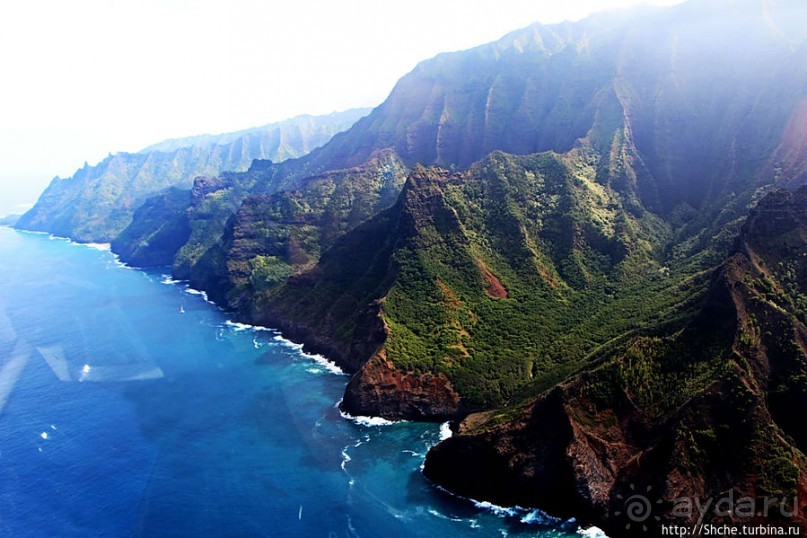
511	274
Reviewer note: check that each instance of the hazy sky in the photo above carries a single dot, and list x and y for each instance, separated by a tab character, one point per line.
82	78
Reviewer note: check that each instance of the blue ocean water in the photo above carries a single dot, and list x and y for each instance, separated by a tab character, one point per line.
129	406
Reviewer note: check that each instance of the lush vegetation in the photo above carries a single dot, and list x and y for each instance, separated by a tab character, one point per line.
577	269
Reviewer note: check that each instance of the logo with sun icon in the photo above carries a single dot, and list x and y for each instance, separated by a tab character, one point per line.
638	507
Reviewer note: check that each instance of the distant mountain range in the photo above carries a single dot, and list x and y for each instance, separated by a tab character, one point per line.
97	202
583	242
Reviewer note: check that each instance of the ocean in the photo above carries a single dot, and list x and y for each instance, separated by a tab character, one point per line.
130	406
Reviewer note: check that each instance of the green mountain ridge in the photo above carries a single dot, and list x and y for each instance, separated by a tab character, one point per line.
702	410
448	112
97	202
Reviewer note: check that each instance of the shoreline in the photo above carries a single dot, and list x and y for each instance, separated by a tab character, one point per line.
525	515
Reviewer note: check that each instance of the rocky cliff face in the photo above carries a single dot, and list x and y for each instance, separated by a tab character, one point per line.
418	396
688	414
679	86
141	246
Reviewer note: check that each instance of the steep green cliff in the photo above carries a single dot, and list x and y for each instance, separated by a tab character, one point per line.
691	412
674	118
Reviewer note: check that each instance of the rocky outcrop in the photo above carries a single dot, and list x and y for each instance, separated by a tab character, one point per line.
380	389
570	458
203	186
691	415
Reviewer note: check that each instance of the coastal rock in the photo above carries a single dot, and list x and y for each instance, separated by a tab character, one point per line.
380	389
369	335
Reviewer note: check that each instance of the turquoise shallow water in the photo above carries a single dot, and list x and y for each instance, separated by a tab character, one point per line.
129	406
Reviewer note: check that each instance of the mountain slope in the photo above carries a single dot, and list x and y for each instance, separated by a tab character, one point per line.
507	275
492	278
689	413
685	83
693	146
97	202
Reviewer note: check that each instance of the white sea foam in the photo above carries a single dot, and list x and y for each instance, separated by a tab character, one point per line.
592	532
532	516
289	343
166	279
44	435
539	517
445	431
368	421
117	261
325	363
437	514
321	361
238	326
329	365
496	509
345	459
105	247
256	328
527	515
191	291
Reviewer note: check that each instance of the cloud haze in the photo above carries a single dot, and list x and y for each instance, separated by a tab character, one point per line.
88	77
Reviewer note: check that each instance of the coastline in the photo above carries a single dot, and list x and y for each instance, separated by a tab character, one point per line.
307	349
